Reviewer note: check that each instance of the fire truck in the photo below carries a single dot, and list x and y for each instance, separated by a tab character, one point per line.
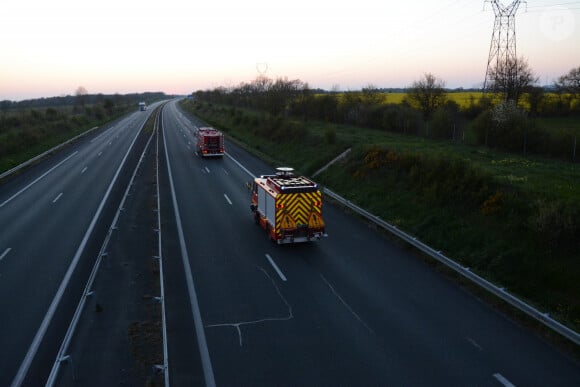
210	142
288	207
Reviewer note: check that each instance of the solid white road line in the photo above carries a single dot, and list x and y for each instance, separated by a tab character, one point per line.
346	305
5	253
240	165
228	199
280	274
37	179
500	378
196	314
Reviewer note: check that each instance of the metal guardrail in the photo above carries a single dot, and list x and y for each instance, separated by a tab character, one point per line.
544	318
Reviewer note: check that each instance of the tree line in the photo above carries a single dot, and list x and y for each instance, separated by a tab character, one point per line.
81	97
504	117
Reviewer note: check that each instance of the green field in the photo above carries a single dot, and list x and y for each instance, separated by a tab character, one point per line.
465	98
461	98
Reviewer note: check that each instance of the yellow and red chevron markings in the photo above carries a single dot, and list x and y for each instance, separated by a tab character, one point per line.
298	206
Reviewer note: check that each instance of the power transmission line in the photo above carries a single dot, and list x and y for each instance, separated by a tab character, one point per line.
569	3
502	50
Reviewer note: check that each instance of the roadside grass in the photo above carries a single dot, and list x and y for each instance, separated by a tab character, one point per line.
12	159
498	245
149	126
28	133
552	178
563	124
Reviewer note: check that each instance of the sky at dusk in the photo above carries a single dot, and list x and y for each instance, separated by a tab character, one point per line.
50	48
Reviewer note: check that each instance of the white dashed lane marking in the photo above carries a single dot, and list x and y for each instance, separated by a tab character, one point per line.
56	198
500	378
280	274
5	253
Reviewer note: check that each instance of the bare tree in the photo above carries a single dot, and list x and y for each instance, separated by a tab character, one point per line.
427	94
511	78
535	96
81	96
303	102
371	95
279	94
570	83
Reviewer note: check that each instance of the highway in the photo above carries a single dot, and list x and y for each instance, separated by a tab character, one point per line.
353	309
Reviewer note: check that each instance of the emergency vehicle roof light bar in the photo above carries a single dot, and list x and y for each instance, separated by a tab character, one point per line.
285	171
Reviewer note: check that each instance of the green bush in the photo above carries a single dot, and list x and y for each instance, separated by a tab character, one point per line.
51	114
446	121
401	118
442	124
440	180
330	136
557	223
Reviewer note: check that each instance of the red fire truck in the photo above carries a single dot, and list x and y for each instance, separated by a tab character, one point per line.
210	142
288	207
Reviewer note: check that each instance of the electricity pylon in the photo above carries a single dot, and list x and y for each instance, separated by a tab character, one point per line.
502	50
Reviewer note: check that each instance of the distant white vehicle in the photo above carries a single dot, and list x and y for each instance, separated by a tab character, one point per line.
142	106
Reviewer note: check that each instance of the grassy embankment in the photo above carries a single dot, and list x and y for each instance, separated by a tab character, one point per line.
493	212
25	134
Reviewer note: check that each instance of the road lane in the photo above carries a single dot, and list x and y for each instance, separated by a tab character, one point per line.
356	308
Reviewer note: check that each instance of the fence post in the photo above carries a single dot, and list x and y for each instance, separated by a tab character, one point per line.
453	138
